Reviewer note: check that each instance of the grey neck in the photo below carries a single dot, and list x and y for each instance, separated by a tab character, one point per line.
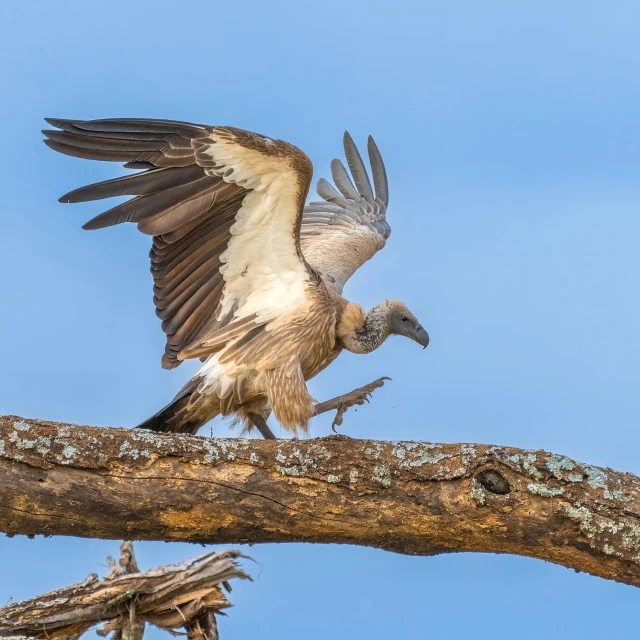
373	333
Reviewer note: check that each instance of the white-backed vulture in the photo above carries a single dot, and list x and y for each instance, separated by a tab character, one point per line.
246	277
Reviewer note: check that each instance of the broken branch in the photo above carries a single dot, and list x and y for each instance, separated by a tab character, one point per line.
185	595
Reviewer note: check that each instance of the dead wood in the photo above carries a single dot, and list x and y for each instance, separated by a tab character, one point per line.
414	498
182	596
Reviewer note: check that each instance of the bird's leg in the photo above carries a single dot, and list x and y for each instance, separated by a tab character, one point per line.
343	403
340	403
261	425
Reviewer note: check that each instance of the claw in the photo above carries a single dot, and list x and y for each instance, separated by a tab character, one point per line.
342	404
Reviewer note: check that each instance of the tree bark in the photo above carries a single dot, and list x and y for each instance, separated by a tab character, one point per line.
407	497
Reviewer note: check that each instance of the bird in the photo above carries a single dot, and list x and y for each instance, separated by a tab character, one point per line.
246	276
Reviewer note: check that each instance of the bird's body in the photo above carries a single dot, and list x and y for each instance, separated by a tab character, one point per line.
246	277
236	381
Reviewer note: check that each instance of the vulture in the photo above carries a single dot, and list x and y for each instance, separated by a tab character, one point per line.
246	277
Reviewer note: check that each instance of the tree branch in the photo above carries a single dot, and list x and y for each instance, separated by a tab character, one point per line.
174	597
414	498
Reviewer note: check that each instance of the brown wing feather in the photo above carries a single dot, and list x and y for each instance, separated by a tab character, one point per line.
185	202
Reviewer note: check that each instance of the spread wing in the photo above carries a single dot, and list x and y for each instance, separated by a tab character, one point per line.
224	207
349	226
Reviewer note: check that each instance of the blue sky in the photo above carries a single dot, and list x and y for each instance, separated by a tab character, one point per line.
510	133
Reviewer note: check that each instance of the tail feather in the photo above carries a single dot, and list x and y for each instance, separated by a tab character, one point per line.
176	416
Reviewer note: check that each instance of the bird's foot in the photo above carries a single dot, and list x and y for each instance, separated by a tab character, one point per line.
342	403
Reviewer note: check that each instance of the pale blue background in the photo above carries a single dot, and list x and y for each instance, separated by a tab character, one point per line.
511	135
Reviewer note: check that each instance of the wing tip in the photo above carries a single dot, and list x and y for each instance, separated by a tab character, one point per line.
60	147
357	166
99	222
59	123
71	197
378	170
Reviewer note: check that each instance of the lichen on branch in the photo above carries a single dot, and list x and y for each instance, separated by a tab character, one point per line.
407	497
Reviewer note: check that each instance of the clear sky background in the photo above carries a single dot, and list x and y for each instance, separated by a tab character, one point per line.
511	138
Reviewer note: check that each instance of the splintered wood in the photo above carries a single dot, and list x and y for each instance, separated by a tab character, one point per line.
183	596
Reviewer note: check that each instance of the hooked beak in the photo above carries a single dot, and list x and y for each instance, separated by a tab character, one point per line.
422	337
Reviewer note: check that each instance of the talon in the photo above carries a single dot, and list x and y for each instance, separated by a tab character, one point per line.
355	398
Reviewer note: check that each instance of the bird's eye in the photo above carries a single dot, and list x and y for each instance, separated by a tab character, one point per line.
404	319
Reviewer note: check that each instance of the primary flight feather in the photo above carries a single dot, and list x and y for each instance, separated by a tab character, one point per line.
246	277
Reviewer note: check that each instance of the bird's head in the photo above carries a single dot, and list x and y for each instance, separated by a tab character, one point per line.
362	333
403	323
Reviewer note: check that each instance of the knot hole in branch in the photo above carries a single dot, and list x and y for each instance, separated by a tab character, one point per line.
494	482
